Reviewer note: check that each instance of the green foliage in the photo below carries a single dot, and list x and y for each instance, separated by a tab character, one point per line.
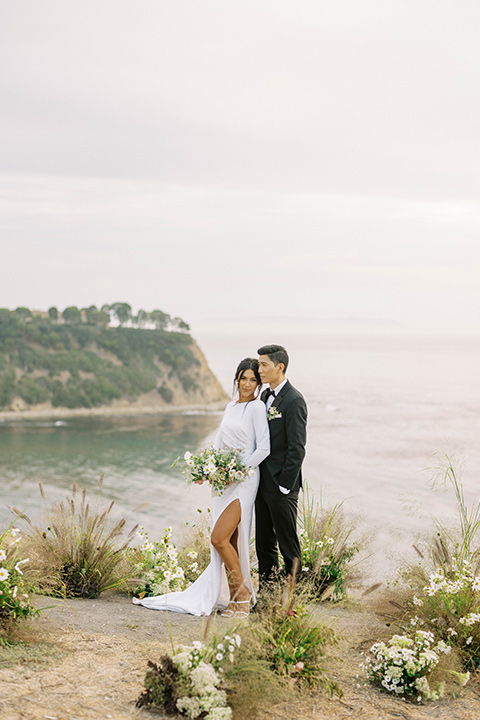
14	600
7	385
404	666
79	549
122	311
293	643
166	393
31	391
327	549
444	585
67	363
24	313
190	681
72	315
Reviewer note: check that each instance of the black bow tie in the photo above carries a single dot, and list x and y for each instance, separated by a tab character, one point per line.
269	392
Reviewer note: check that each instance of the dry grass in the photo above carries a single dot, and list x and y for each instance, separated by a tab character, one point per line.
78	550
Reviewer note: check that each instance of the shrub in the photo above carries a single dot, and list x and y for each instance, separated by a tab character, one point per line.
326	547
404	666
190	681
80	549
156	566
444	586
293	643
14	600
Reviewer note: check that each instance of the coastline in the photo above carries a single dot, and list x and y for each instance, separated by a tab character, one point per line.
116	411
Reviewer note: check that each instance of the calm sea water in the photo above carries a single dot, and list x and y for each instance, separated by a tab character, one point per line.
382	409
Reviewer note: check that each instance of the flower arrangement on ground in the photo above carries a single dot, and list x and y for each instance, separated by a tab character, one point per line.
158	567
326	547
14	599
294	644
444	586
404	665
189	682
449	604
220	468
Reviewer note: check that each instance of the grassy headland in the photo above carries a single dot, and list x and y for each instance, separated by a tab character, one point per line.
54	360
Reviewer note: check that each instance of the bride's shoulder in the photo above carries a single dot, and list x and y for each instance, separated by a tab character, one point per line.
257	406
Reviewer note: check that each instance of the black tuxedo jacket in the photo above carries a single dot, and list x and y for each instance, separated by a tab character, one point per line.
288	435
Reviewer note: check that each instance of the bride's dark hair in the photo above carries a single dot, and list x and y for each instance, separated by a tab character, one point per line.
247	364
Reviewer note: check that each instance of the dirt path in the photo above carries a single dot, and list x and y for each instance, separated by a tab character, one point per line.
89	661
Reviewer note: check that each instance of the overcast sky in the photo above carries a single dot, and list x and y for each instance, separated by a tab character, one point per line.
243	160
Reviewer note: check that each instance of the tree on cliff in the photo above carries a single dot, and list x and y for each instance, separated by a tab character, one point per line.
160	319
53	314
122	311
24	313
72	315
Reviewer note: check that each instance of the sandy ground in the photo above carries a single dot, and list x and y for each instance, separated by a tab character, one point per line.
89	659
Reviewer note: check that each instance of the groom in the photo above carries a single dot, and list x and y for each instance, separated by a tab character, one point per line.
280	472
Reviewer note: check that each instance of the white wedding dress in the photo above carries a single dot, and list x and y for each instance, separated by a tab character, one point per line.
244	427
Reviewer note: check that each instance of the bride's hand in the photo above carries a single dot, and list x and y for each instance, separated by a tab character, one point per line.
199	482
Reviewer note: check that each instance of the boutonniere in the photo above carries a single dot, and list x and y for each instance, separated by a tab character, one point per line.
273	413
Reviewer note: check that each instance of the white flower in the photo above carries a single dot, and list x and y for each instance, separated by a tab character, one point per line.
189	706
330	541
193	567
210	467
20	562
15	590
187	456
469	639
192	555
3	555
3	574
475	583
197	645
147	547
219	657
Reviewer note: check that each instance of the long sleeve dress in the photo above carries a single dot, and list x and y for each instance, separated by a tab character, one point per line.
244	427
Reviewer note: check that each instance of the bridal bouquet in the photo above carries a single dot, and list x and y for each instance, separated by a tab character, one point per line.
220	468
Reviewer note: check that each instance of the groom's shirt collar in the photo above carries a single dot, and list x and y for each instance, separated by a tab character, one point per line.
279	387
275	392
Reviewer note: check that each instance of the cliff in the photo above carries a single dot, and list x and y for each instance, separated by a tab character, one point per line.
44	366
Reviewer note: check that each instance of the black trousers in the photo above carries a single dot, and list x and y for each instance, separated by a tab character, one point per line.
276	523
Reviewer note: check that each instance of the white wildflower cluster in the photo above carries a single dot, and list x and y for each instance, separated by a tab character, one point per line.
205	695
226	649
13	601
470	619
403	665
463	579
159	569
456	590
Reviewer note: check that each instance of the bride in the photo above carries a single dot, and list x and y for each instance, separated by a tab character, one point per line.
226	582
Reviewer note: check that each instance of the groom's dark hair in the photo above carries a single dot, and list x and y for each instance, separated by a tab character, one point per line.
276	353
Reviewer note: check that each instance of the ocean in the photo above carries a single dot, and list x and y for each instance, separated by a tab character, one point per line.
384	412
